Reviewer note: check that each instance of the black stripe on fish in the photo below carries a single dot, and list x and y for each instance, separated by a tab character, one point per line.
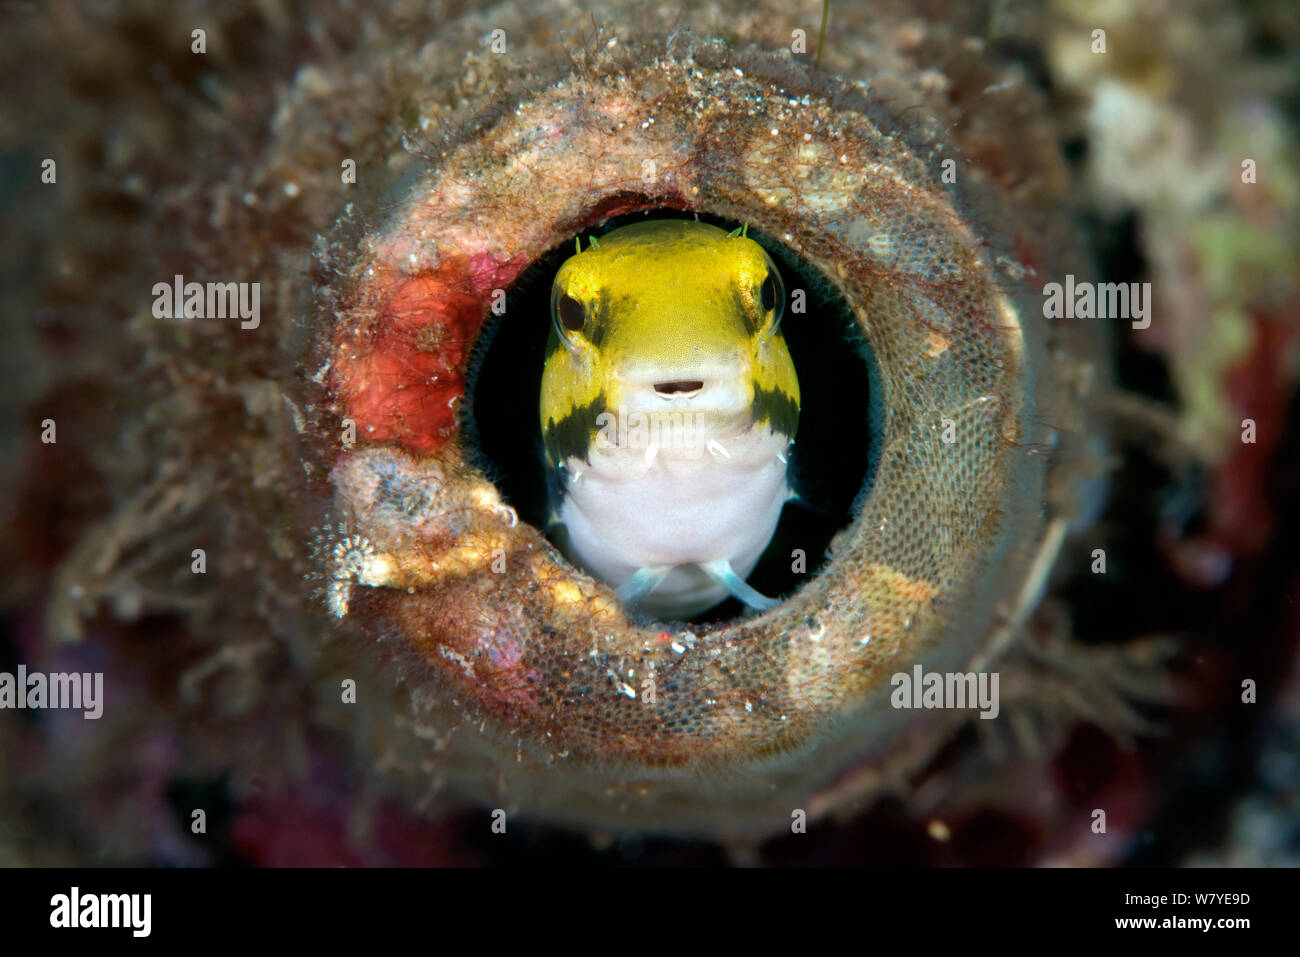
778	409
571	436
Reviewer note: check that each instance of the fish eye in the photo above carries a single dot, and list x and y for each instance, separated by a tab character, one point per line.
570	313
772	295
768	293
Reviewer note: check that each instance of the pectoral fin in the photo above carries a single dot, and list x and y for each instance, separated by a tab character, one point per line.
722	573
642	583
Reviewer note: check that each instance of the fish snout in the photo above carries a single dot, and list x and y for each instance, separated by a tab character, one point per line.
695	384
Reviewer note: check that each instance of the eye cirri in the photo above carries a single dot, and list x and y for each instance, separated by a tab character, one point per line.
669	404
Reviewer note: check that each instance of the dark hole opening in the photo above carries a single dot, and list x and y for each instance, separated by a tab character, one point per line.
836	444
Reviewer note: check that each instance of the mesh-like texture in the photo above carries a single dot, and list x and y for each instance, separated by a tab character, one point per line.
517	640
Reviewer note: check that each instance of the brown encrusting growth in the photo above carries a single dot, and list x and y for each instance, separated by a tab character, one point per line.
587	714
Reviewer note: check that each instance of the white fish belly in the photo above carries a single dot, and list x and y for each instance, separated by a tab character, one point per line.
623	513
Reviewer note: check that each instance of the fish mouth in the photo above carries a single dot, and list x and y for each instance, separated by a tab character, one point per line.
679	388
718	395
716	383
